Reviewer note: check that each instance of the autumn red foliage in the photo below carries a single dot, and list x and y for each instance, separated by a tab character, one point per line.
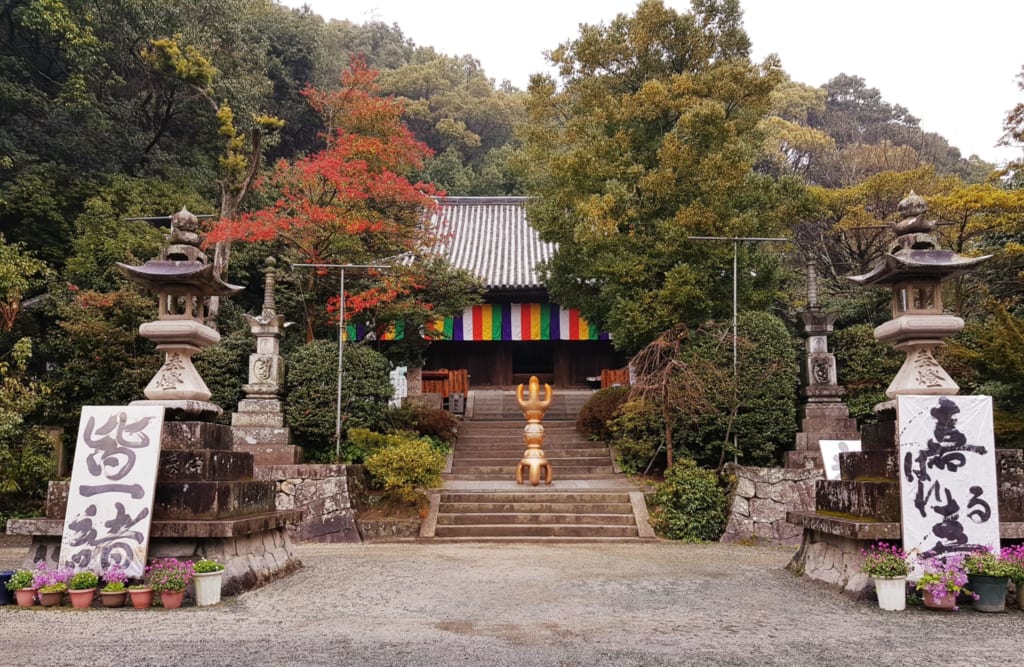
351	203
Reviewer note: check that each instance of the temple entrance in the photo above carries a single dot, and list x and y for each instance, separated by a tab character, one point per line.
533	358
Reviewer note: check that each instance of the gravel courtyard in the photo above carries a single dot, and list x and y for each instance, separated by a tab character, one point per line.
518	604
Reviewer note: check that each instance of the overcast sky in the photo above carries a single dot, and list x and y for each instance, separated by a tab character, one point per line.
951	63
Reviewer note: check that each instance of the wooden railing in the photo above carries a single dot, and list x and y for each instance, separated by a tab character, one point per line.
446	382
611	377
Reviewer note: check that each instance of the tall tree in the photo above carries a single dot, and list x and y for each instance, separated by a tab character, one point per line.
453	107
352	203
650	138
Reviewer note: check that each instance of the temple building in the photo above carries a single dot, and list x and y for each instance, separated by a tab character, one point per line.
517	332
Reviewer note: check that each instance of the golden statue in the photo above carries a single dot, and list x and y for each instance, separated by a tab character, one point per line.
533	409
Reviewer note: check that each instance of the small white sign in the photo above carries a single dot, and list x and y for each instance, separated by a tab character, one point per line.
399	386
947	474
110	502
830	451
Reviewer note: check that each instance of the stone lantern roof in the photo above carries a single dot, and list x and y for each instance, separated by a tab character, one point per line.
915	255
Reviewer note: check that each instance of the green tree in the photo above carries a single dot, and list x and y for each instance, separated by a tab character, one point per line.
311	394
26	461
18	271
453	107
650	138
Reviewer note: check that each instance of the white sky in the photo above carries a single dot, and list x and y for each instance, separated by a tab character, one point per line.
951	63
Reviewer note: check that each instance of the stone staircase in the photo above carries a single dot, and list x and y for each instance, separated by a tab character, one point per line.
501	405
480	500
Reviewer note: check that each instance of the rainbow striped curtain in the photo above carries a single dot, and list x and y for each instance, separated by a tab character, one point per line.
395	331
499	321
517	321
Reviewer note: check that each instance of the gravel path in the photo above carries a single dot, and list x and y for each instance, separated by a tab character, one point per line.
450	604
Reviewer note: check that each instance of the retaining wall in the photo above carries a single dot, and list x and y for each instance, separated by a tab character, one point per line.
760	499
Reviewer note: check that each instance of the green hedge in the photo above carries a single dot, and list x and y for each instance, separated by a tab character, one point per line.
690	505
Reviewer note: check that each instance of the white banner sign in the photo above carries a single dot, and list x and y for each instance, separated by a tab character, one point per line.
110	503
947	474
830	451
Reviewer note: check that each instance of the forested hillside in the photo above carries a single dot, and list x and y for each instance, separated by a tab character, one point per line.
322	141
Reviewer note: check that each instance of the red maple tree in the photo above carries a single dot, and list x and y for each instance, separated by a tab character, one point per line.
352	202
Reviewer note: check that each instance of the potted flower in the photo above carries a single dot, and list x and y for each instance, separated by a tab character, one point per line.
52	583
1013	558
169	577
115	586
207	581
21	583
141	596
989	578
887	565
83	589
943	580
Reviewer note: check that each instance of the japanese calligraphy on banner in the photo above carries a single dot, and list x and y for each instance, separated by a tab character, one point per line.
830	451
947	474
110	502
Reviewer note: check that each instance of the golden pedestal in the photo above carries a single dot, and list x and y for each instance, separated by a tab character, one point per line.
533	408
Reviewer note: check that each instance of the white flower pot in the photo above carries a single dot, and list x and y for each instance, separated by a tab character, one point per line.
892	593
207	587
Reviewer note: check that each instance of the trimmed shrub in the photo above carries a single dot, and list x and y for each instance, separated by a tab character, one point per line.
599	409
434	422
636	433
361	443
690	505
311	388
404	466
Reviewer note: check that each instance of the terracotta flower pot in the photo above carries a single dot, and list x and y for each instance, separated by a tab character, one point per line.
51	599
172	599
25	597
113	599
142	598
946	603
82	598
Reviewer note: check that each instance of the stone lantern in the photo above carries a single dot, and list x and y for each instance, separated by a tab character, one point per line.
184	282
915	269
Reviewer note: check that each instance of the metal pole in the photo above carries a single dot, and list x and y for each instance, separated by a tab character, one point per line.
341	338
735	311
735	316
735	357
341	355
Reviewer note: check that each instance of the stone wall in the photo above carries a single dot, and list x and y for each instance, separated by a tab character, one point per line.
761	498
321	493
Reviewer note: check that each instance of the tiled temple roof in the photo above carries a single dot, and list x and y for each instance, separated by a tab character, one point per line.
490	237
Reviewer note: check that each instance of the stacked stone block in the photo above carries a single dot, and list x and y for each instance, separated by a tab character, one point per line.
761	499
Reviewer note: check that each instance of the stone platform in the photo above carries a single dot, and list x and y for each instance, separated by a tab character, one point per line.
864	507
207	503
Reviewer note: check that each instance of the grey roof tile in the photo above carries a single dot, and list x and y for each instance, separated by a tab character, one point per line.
491	237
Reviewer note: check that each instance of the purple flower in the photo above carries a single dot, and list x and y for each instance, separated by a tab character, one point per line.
115	574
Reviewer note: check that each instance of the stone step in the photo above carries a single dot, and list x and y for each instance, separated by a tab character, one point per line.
510	469
536	507
514	458
517	454
518	442
213	500
511	475
473	429
521	446
864	466
517	434
879	500
535	530
493	518
544	496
